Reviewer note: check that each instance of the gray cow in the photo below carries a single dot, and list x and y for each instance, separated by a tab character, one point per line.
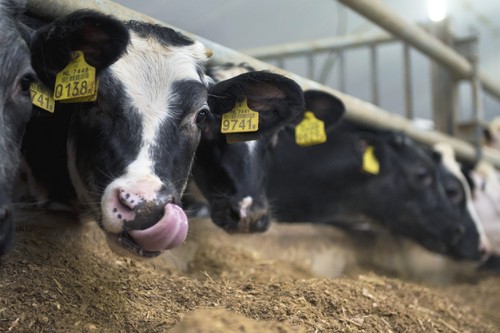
16	75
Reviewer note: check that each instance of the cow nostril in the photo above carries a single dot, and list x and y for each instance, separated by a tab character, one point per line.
458	233
128	200
262	224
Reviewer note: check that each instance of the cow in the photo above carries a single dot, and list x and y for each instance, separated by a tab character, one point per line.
232	176
15	107
378	177
128	154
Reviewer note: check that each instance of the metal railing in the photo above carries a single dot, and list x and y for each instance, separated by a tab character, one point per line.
357	110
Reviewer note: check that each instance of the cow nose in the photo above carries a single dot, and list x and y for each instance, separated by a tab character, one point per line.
484	251
260	224
138	212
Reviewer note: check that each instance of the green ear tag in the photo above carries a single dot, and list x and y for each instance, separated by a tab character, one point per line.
240	120
42	97
76	80
310	131
370	162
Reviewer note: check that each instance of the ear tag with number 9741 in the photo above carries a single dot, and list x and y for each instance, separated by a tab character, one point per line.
76	80
310	131
241	119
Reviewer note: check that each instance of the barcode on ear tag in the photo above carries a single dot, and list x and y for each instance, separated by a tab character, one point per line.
370	162
42	97
76	80
240	120
310	131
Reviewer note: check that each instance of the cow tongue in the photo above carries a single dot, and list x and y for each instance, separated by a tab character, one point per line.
169	232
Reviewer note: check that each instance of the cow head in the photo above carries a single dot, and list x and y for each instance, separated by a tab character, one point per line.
469	239
130	152
416	195
364	174
16	75
233	176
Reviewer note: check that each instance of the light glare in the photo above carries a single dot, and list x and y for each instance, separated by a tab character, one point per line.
436	9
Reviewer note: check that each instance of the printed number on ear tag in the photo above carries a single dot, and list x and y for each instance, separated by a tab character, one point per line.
241	119
310	131
370	162
91	98
76	80
42	97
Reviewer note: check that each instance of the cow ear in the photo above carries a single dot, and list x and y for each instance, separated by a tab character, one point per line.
325	107
278	100
101	38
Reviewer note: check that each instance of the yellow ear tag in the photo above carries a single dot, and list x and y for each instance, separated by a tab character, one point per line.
370	162
241	119
76	80
310	131
42	97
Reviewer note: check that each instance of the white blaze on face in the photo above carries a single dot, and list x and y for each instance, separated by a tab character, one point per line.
251	145
245	205
148	72
487	201
449	161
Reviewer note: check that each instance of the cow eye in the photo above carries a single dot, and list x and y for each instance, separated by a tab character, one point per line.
424	176
203	117
454	193
25	83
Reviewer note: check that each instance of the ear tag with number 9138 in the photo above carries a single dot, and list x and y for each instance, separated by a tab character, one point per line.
76	80
310	131
42	97
240	120
370	162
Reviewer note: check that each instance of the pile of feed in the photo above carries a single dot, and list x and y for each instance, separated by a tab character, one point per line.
61	276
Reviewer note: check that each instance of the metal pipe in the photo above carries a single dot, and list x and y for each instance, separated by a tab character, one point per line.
342	65
310	66
380	14
318	45
477	105
357	110
407	78
374	76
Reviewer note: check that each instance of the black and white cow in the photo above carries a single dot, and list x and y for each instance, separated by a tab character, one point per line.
403	192
16	75
129	153
232	176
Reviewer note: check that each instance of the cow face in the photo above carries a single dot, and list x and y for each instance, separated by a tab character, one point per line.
233	176
130	152
431	201
470	239
16	75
